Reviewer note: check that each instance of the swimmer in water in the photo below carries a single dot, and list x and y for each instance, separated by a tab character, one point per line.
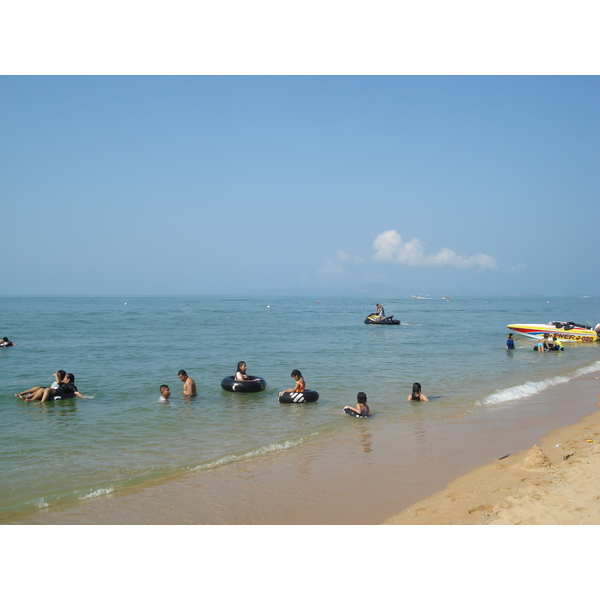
27	395
66	389
361	409
241	373
189	385
300	383
417	395
510	343
165	392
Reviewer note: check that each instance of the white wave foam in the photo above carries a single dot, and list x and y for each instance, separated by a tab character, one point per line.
589	369
268	449
531	388
99	492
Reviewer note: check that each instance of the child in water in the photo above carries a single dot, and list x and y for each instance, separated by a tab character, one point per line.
510	343
417	395
300	383
240	374
165	392
361	410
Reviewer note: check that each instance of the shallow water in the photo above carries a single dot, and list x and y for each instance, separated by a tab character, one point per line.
122	349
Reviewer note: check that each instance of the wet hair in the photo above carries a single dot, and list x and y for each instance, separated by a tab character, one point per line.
416	390
296	373
62	374
509	335
5	339
361	398
163	388
240	364
182	372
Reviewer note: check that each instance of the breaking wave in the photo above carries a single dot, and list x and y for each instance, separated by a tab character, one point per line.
531	388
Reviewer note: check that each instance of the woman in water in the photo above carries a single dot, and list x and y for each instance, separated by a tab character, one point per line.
300	383
361	410
417	395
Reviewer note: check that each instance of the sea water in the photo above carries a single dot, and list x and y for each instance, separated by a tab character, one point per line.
121	349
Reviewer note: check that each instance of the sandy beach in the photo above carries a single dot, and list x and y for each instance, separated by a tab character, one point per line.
553	483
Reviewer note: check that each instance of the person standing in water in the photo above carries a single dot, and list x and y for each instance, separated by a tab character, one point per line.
510	343
189	385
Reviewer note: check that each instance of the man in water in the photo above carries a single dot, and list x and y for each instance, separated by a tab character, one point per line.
189	385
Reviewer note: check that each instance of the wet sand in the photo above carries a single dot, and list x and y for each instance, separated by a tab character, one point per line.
371	473
553	483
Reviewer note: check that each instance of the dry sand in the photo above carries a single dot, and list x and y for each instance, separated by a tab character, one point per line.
557	482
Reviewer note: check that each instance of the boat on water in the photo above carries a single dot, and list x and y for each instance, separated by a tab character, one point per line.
373	319
564	331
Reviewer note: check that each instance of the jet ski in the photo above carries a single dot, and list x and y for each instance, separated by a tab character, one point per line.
373	319
564	331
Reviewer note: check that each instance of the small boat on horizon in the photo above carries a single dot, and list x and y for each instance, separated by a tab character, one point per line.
565	331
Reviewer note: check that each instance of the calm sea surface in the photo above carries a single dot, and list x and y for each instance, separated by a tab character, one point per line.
121	349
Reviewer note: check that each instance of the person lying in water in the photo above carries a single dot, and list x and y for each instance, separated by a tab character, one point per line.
59	377
66	389
417	395
241	373
300	383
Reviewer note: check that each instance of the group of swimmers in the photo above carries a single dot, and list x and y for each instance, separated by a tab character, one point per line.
63	387
361	410
547	343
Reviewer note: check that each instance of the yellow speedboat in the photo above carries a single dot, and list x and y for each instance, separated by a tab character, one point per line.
566	332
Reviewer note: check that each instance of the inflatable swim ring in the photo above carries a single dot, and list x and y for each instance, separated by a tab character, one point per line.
353	413
229	384
299	397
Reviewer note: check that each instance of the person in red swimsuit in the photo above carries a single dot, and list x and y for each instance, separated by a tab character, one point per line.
300	383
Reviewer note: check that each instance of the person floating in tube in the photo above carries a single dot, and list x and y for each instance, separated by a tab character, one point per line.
241	373
300	383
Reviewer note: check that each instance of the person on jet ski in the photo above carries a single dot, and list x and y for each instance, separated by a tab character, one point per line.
380	313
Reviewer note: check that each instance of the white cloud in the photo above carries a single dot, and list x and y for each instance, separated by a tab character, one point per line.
331	269
389	247
342	256
518	268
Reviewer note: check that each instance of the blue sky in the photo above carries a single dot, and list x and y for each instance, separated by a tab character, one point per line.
200	184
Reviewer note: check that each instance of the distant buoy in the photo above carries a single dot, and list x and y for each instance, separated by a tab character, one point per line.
268	306
125	303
